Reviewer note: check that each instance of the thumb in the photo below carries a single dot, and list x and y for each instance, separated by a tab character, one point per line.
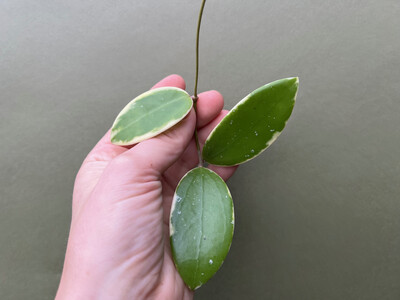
155	155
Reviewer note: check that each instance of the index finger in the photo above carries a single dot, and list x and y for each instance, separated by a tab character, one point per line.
173	80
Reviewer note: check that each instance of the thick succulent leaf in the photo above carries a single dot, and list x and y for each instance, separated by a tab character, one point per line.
150	114
252	125
201	225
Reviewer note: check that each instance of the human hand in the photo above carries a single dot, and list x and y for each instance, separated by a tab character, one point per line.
118	246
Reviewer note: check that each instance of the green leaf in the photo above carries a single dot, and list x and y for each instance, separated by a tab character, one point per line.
201	225
252	125
150	114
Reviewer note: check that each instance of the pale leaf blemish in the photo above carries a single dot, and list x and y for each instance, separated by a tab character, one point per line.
210	262
273	138
174	201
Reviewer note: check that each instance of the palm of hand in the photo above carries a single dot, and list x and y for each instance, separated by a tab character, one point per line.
119	237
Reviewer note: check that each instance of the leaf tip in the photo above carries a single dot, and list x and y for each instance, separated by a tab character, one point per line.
296	84
294	80
113	138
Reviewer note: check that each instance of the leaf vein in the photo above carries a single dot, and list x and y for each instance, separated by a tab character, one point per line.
132	123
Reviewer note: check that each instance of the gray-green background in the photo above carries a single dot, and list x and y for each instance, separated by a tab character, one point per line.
318	214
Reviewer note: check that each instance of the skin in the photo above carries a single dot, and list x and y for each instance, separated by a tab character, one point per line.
118	246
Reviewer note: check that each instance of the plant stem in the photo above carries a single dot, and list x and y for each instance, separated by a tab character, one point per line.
197	47
195	98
